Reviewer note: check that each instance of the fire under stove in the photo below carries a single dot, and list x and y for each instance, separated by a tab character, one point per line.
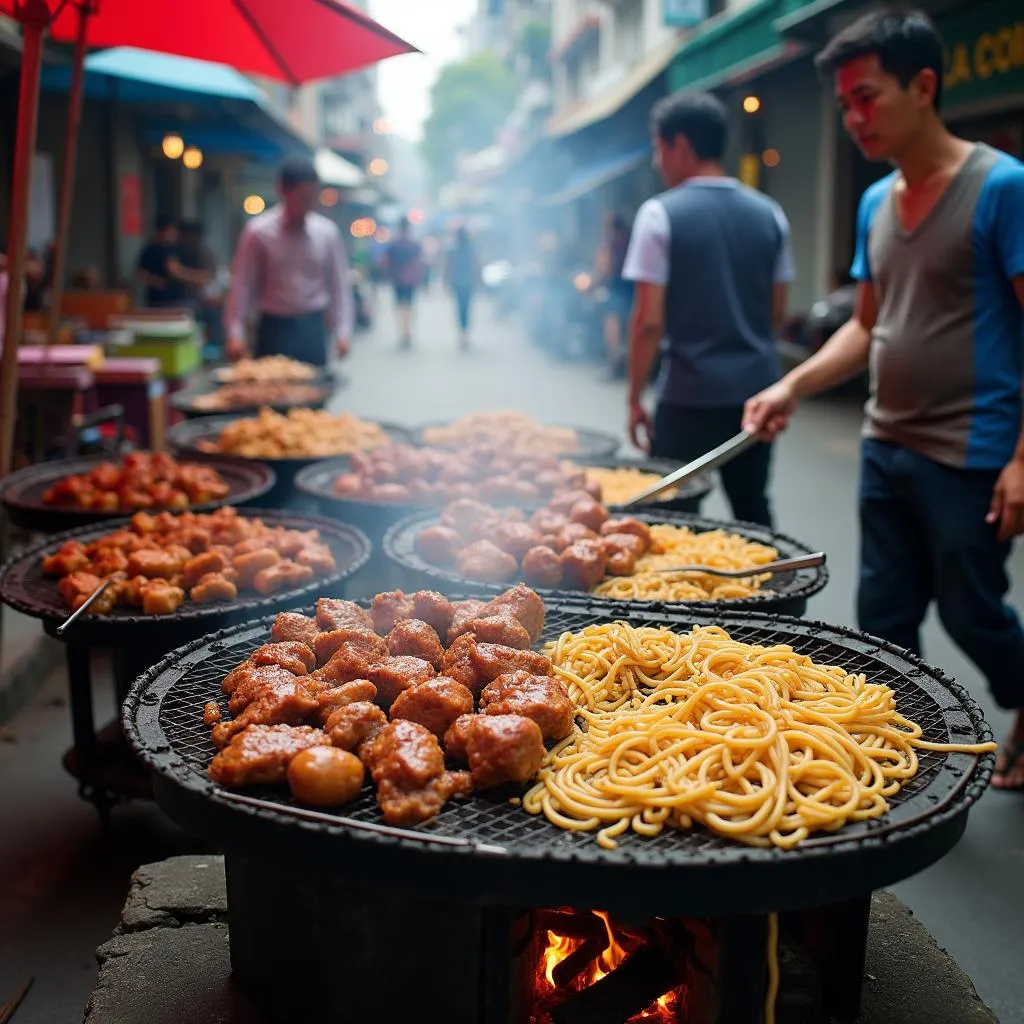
488	915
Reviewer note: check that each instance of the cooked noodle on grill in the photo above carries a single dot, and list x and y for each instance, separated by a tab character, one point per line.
757	744
679	545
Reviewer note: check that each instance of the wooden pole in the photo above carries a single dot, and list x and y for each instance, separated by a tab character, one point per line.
67	178
34	16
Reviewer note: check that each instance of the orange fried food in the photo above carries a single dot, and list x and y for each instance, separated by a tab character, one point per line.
393	675
283	576
70	558
390	608
334	613
356	639
325	777
350	726
213	587
354	692
161	598
211	713
436	704
200	565
501	748
415	638
292	626
292	655
283	702
154	563
407	764
499	629
260	754
251	563
543	699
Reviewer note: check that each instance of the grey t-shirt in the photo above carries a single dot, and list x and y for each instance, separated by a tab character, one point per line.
947	350
718	247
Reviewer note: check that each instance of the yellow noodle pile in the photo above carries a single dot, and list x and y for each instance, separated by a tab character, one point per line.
757	744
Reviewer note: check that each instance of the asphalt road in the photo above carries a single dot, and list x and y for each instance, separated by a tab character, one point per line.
62	883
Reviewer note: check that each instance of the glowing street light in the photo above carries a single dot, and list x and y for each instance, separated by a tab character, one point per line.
329	196
173	146
254	205
751	104
192	158
771	158
378	166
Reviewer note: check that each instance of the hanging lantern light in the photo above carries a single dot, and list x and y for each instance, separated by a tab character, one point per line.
173	146
192	158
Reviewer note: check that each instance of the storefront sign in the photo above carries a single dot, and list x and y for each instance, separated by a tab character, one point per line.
131	206
684	13
984	52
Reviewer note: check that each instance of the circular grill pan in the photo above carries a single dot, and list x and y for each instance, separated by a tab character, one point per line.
24	587
594	444
786	593
185	403
22	492
525	860
183	439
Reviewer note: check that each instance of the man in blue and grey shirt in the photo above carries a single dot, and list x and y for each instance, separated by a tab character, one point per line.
938	319
711	260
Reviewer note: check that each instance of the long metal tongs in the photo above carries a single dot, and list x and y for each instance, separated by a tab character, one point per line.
705	464
782	565
88	602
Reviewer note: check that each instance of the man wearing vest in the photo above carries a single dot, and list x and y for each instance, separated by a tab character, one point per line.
712	262
940	266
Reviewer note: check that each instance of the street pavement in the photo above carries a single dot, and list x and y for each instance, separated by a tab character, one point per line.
62	883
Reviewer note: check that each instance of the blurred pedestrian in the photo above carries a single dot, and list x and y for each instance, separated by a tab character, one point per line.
462	273
611	258
711	260
938	323
291	269
405	269
158	268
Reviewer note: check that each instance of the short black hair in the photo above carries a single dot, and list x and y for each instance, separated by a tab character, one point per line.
296	170
165	221
906	43
698	116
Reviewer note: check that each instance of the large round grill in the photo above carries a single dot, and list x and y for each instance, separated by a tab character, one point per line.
786	593
499	853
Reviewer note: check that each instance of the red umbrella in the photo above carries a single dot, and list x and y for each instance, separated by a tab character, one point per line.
295	41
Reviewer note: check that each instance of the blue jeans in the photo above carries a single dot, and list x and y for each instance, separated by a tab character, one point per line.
924	538
463	298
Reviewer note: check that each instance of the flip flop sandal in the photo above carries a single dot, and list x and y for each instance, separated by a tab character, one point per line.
1013	755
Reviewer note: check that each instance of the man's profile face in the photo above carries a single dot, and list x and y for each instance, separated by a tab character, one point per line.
301	199
879	113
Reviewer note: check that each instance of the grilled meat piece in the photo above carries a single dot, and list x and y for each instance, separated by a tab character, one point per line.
464	513
455	738
211	713
407	764
503	748
348	663
261	754
485	561
499	629
628	524
356	639
521	603
352	725
199	565
283	576
212	588
463	612
438	545
542	567
563	503
290	654
584	564
292	626
390	608
333	613
542	699
590	513
415	638
435	704
328	701
434	609
515	539
393	675
475	664
282	702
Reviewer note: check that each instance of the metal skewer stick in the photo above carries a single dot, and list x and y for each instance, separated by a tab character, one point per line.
9	1008
705	464
365	826
782	565
88	602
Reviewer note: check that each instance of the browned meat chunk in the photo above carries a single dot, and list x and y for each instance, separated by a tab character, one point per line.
290	654
583	564
499	629
333	613
283	576
346	664
278	703
415	638
569	535
360	641
438	545
261	753
352	725
621	563
455	739
434	704
292	626
196	568
515	539
407	764
434	609
542	699
503	748
483	560
628	525
211	713
475	665
247	680
393	675
563	503
328	701
458	663
390	608
590	513
521	603
546	521
212	588
464	513
542	567
252	563
462	612
616	543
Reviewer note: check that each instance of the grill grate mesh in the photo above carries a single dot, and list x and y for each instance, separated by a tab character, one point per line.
163	717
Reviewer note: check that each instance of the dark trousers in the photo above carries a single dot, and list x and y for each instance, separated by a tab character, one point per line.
682	433
463	298
302	337
924	538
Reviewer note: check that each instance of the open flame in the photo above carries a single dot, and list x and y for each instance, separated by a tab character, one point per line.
618	946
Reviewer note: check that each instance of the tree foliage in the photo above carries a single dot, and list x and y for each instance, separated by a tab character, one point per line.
468	103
